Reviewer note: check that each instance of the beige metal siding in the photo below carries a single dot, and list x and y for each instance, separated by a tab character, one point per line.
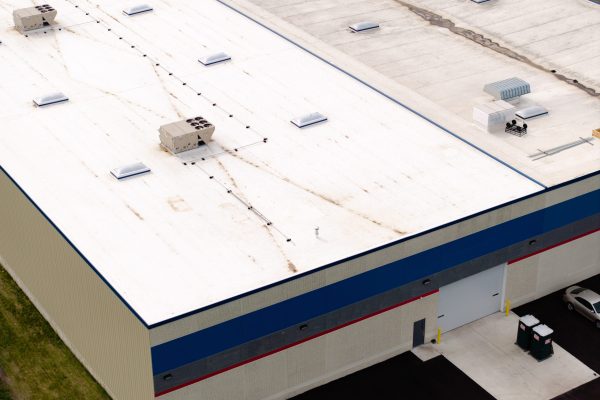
319	360
554	269
93	322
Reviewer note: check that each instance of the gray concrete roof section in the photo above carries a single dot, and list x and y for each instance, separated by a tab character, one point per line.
446	51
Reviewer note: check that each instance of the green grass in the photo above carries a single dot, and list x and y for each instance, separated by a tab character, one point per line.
34	362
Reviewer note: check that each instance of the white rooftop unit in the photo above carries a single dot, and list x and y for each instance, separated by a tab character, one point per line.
214	58
130	170
138	9
507	89
309	119
364	26
51	98
494	114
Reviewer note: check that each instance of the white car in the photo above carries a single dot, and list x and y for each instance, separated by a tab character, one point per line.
585	301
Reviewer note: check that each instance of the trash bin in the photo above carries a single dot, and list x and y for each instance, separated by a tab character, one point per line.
541	342
526	324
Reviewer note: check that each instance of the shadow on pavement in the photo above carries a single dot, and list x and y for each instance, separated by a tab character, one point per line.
404	376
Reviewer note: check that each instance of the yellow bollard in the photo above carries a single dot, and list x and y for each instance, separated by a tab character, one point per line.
507	307
439	336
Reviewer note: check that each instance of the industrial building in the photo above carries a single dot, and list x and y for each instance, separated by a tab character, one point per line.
346	206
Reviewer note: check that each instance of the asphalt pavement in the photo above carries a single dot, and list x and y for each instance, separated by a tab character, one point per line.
572	331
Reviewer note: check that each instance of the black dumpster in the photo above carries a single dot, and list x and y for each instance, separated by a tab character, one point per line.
524	333
541	342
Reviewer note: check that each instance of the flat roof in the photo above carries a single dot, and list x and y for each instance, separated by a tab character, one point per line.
186	236
446	51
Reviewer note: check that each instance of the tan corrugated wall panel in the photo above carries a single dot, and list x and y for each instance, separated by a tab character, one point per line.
95	324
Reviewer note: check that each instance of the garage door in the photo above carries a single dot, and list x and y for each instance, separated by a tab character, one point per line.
471	298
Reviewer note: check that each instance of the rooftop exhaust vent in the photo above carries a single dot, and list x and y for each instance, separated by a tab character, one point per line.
130	170
186	134
364	26
507	89
479	1
531	112
214	58
309	119
31	18
51	98
140	8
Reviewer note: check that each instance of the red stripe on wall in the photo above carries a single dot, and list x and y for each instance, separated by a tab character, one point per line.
553	246
294	344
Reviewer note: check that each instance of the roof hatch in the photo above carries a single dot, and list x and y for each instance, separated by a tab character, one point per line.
140	8
531	112
51	98
308	119
130	170
364	26
214	58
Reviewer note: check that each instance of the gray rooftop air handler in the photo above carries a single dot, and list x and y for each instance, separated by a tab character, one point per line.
507	89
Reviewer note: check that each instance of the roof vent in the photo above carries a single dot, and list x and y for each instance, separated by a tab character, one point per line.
507	89
479	1
531	112
364	26
186	134
309	119
214	58
51	98
140	8
130	170
28	19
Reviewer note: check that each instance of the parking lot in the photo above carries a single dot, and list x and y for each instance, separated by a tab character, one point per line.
572	331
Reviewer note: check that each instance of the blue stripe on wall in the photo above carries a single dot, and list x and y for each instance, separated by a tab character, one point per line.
294	311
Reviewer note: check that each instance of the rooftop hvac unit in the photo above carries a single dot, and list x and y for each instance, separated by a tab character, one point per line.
130	170
493	115
308	119
140	8
214	58
364	26
31	18
507	89
186	134
51	98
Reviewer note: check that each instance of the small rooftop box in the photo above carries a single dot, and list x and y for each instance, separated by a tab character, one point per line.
187	134
31	18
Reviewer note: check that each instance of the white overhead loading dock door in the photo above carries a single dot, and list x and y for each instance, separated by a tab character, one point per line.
471	298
